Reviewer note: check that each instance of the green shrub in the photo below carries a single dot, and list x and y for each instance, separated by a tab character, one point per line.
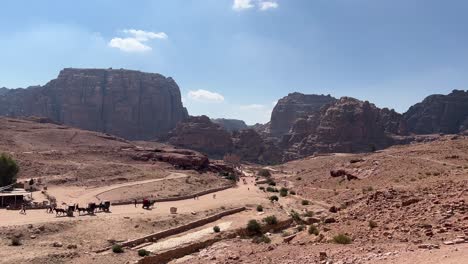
8	170
253	227
261	188
283	192
216	229
296	217
272	183
261	239
342	239
143	252
299	178
117	248
308	214
264	173
15	242
270	220
305	202
292	192
271	189
259	208
313	230
300	228
274	198
372	224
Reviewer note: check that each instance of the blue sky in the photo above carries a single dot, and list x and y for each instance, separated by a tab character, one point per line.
234	58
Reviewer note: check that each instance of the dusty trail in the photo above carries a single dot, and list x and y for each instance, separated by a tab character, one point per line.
72	195
234	197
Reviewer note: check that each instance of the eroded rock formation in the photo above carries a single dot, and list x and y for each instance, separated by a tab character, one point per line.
439	114
230	124
129	104
294	106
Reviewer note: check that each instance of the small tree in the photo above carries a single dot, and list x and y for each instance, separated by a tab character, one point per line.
270	220
8	170
253	227
283	192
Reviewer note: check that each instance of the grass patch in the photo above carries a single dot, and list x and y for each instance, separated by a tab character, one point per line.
342	239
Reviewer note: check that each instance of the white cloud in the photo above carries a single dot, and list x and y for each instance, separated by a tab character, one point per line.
268	5
205	96
136	41
142	35
242	5
252	107
128	45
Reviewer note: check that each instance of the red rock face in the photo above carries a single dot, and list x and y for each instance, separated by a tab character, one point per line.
347	125
294	106
439	114
199	133
129	104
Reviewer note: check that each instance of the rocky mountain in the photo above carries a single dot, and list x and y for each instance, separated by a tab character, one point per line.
199	133
129	104
230	124
439	114
3	90
347	125
294	106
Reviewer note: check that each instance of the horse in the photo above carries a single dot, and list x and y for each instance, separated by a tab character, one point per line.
59	211
80	209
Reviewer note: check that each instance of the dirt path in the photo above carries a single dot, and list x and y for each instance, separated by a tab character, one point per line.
234	197
79	195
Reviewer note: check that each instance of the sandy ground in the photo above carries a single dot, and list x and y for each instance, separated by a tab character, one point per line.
240	196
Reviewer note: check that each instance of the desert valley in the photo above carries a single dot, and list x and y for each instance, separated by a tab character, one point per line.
112	168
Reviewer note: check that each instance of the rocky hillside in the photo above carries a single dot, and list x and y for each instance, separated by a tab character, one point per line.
230	124
129	104
3	90
347	125
439	114
199	133
294	106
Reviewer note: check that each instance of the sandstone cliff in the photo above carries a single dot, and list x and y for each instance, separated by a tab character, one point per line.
199	133
130	104
439	114
294	106
230	124
347	125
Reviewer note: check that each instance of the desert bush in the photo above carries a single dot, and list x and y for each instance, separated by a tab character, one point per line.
216	229
372	224
274	198
271	189
264	173
313	230
305	202
342	239
117	248
261	239
253	227
8	170
308	214
143	252
300	228
292	192
270	220
272	183
296	217
299	178
283	192
261	188
259	208
367	189
16	241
